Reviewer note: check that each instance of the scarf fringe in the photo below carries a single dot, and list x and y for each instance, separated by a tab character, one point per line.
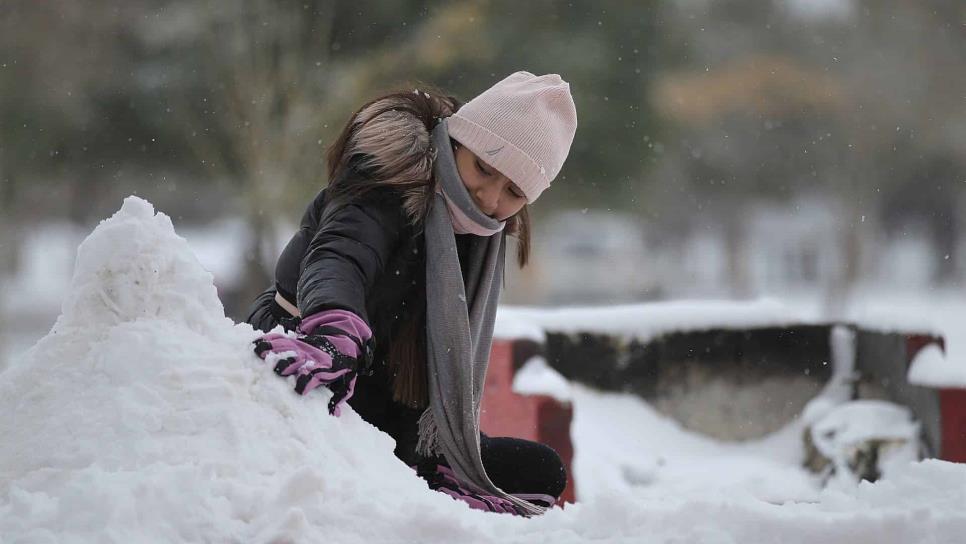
428	443
428	446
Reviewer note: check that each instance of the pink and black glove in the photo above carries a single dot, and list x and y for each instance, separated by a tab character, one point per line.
442	478
331	348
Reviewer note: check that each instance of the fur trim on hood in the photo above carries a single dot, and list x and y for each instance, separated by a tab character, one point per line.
390	139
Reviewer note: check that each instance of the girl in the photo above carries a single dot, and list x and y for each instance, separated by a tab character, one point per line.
389	288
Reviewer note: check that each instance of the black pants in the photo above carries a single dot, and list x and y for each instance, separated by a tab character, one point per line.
522	466
513	464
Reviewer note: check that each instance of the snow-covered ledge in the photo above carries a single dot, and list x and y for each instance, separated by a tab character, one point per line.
647	320
931	368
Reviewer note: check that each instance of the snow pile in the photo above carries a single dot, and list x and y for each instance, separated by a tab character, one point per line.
143	416
643	474
645	321
931	368
624	446
850	439
536	377
859	427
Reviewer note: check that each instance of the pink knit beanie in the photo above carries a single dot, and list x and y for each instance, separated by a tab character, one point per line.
522	126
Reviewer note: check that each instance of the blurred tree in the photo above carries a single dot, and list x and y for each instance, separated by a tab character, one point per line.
253	76
759	102
131	97
261	83
770	103
757	127
80	125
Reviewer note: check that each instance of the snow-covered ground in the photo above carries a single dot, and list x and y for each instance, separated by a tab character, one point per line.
144	416
656	458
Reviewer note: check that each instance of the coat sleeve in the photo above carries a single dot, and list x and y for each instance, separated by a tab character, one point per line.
289	265
348	253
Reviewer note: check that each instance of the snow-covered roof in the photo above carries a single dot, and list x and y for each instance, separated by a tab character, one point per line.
931	368
646	321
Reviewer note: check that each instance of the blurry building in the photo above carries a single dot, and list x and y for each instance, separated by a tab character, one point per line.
786	250
585	257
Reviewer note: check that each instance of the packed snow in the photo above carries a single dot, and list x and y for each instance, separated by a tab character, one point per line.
646	321
930	367
144	416
537	377
845	430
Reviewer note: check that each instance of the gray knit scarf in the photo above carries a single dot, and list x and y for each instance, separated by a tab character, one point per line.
459	319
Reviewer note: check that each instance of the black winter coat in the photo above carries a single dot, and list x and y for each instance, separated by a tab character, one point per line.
365	257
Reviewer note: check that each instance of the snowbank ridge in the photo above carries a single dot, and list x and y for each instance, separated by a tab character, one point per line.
143	415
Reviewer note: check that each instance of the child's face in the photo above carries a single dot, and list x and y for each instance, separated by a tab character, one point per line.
493	192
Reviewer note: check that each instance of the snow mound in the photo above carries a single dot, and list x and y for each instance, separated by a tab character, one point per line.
861	426
134	266
536	377
930	367
143	416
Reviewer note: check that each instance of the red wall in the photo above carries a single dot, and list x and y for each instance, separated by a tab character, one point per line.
533	417
952	406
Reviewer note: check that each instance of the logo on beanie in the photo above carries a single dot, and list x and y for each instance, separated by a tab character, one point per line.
492	152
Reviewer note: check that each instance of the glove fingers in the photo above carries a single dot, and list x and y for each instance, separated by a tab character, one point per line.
320	369
342	390
273	342
261	346
284	343
308	365
316	360
286	363
309	379
288	355
286	366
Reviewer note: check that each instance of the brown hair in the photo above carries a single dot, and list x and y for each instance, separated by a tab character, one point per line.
388	139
